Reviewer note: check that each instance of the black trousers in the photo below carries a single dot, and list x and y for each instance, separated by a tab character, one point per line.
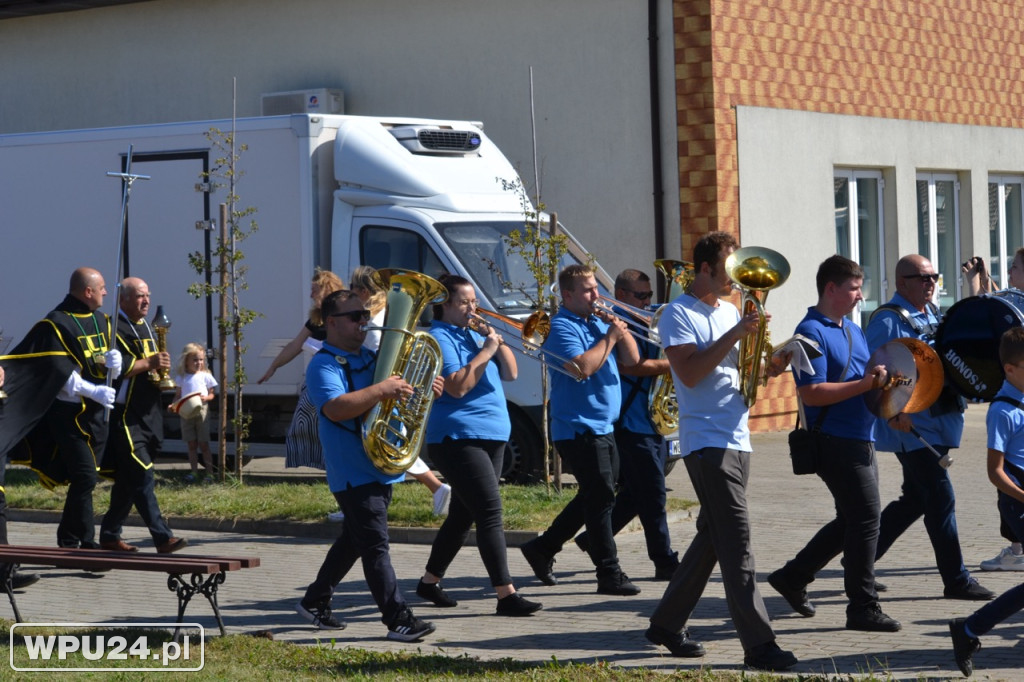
849	469
75	448
364	536
595	464
472	468
134	484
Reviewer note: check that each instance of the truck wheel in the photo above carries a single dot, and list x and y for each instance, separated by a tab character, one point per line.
524	456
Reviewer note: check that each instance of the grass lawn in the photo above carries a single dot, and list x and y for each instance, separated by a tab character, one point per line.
243	657
294	499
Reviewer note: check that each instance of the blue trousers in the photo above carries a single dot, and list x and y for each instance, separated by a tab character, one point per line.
642	493
364	536
1011	601
926	491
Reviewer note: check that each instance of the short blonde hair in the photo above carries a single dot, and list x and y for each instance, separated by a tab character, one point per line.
365	277
189	350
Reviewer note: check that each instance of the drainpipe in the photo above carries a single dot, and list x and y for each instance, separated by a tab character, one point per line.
658	193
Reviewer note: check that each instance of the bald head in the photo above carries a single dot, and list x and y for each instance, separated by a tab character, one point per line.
134	298
916	280
87	286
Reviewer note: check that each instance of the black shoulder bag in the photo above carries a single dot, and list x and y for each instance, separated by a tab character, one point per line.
804	443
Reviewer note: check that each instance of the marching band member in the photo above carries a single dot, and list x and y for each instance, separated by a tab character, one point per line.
582	424
927	489
700	331
339	381
846	454
466	437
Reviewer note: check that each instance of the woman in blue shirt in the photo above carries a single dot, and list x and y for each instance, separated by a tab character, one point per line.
467	432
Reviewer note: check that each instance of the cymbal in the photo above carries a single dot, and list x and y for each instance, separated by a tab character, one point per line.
889	400
915	378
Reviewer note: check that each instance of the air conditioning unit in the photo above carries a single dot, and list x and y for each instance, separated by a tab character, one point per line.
436	140
316	101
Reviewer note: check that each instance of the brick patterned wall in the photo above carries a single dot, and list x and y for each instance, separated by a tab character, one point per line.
950	61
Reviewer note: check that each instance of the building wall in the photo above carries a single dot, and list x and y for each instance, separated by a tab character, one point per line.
934	61
173	60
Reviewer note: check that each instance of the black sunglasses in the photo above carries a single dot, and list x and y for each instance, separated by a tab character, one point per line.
354	315
642	295
923	278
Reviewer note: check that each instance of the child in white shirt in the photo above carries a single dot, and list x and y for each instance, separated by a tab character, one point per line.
194	378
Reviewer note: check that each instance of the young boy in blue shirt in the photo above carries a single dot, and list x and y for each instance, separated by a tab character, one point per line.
1005	424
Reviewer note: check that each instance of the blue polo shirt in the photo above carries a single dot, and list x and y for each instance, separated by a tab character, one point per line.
945	429
481	413
851	417
636	416
1005	424
591	405
342	442
712	414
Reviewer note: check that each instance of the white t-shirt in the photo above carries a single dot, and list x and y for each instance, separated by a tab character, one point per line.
712	413
200	382
372	340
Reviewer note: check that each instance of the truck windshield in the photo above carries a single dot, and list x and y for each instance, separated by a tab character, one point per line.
501	275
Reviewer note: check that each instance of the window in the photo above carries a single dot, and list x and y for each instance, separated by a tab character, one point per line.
391	247
1005	225
938	231
859	193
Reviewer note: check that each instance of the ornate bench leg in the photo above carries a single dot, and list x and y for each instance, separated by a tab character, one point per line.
6	577
187	589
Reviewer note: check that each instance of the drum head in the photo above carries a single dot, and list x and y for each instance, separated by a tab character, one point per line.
968	341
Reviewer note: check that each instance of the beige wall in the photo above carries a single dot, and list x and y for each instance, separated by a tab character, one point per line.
174	60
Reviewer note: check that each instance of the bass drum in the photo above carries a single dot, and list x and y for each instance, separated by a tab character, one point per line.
968	341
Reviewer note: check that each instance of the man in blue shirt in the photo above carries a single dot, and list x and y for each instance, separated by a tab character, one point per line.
642	451
927	490
583	415
339	381
832	398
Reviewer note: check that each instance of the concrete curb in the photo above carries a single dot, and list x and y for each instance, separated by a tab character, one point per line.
325	529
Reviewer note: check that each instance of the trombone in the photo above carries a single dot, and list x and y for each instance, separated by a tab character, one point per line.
640	322
533	331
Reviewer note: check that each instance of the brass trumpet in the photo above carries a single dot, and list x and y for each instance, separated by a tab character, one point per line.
533	331
755	271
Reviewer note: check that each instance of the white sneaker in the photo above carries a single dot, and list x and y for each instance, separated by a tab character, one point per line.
442	496
1006	560
337	516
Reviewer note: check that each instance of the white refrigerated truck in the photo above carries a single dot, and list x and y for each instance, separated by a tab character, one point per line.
330	191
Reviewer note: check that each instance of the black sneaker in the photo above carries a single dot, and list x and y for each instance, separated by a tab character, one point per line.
679	643
796	598
972	591
319	615
964	646
769	656
515	605
22	580
408	628
871	619
433	593
618	585
542	563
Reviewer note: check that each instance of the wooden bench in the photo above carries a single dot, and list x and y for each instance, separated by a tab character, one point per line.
187	574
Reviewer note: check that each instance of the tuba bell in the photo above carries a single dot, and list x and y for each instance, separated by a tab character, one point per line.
393	429
755	270
662	403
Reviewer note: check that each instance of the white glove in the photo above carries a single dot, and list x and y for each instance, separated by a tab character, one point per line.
77	386
113	363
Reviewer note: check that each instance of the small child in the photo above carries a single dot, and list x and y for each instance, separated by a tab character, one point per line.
1005	424
193	377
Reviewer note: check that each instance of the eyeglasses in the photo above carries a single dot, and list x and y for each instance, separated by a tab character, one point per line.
354	315
642	295
923	278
